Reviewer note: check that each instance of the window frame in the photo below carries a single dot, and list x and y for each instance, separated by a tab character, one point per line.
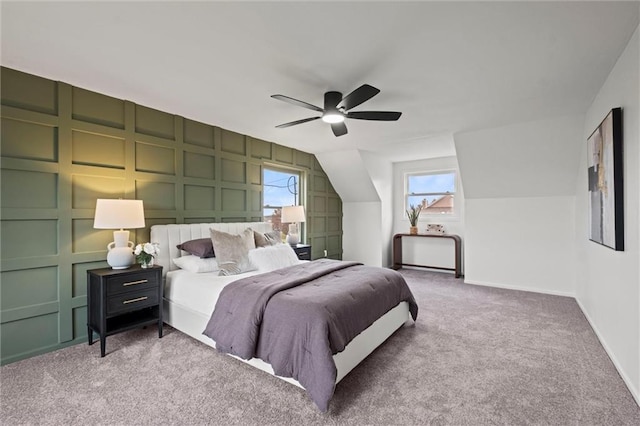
430	216
301	196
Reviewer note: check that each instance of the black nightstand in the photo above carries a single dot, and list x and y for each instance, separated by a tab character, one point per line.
303	251
123	299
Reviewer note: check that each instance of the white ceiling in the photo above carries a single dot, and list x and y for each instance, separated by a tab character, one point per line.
448	66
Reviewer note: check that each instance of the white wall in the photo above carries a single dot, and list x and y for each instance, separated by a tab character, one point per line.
427	251
362	240
532	159
609	281
519	185
359	178
381	172
372	188
521	243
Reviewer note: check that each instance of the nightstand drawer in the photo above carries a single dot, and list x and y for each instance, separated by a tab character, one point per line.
304	255
303	251
133	282
131	301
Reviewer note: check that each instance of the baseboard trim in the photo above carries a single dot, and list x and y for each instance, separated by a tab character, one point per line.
625	378
43	350
520	288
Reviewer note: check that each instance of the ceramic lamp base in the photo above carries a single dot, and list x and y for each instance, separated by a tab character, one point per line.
120	255
293	237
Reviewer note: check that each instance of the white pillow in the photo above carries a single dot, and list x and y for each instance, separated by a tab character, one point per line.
196	264
267	259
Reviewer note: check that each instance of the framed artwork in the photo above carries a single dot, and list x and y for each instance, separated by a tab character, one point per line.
606	204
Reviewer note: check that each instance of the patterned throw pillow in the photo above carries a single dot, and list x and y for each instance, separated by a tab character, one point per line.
232	251
267	239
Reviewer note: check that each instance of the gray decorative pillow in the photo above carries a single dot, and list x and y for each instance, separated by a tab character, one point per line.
201	247
232	251
267	239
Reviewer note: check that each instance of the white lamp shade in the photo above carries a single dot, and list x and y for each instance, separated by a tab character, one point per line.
293	214
118	214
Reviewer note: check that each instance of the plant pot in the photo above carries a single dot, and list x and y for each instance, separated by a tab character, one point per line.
413	230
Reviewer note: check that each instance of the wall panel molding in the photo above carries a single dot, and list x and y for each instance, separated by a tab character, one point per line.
63	147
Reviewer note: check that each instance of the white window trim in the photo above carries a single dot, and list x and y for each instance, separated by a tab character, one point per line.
431	217
302	190
302	183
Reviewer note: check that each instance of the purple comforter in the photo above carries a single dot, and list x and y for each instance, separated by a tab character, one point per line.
297	318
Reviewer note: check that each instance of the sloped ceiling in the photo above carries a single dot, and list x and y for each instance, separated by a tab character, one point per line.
448	66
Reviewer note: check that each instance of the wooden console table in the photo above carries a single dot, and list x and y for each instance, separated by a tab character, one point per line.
397	251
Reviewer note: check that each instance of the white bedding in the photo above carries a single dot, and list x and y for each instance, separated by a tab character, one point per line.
198	291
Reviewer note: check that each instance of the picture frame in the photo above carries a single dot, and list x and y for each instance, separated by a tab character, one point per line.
605	163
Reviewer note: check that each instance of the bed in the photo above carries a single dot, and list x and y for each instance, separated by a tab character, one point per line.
190	297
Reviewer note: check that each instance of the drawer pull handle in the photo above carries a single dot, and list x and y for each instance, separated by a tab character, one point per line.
135	282
137	299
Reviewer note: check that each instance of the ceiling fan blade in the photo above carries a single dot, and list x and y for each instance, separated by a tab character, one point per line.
293	123
339	129
358	96
297	102
374	115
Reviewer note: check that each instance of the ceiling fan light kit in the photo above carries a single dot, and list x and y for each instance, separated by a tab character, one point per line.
332	117
336	109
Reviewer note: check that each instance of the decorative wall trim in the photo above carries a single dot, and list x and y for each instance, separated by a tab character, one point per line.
63	147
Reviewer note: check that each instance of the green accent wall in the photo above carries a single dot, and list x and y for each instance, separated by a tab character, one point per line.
62	147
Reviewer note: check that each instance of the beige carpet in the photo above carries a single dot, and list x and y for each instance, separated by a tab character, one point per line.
476	356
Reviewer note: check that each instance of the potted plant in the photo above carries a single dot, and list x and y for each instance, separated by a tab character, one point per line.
413	214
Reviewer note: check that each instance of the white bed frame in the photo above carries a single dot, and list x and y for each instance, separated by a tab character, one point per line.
193	323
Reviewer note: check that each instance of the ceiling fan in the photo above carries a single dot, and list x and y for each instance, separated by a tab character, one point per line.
336	109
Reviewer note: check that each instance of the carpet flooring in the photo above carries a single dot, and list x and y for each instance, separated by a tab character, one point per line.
475	356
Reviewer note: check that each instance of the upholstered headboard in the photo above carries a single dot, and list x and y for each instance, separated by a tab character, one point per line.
169	236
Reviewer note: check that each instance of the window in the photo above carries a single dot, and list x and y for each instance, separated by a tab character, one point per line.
434	191
281	187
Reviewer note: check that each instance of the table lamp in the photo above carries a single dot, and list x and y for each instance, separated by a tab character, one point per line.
293	215
119	214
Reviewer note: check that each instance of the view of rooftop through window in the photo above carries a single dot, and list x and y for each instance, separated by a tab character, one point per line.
280	188
434	192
